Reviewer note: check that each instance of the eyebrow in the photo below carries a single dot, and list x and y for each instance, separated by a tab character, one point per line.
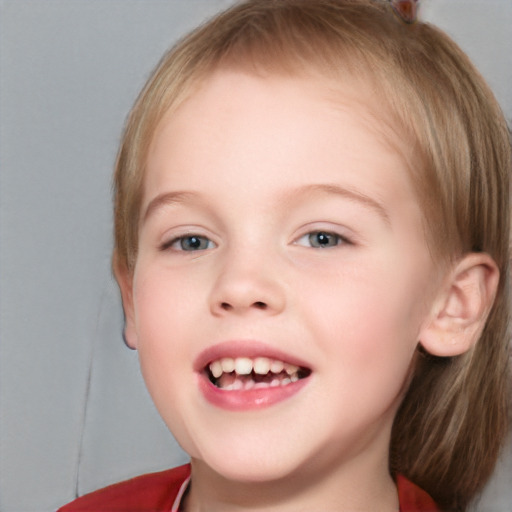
167	198
176	197
347	193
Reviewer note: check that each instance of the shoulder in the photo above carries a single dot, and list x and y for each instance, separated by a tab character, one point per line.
412	498
152	492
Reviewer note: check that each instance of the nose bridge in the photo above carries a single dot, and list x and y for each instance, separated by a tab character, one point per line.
247	280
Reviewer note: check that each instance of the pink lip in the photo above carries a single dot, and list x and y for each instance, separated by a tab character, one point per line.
244	400
247	400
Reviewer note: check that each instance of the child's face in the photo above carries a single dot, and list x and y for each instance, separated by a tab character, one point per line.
279	223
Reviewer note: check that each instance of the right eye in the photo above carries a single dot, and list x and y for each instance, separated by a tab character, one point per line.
189	243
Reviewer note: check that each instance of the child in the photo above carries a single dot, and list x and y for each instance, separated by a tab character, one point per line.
312	246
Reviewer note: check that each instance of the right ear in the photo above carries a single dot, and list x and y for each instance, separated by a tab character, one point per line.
124	280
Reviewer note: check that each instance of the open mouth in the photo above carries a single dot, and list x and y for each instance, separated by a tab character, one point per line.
246	373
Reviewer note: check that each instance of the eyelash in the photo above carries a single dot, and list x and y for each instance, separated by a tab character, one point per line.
323	239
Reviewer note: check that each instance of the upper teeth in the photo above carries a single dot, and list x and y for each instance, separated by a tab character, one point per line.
247	365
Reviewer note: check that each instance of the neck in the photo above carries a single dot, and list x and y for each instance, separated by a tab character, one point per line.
352	487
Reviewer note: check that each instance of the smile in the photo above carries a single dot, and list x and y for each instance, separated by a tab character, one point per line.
246	373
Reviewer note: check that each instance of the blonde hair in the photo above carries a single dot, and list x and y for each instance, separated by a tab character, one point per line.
451	424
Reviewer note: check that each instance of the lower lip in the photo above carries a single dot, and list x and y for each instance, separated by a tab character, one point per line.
249	399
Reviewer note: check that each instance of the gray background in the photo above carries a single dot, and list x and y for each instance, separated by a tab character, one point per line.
74	412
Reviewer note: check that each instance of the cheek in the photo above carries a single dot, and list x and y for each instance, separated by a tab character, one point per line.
159	306
163	298
369	321
161	351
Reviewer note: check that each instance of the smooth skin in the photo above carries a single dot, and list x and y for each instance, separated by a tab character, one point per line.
280	210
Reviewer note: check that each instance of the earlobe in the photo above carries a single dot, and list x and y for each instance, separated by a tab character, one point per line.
461	309
124	280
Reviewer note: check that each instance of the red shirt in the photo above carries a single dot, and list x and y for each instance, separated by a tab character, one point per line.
158	492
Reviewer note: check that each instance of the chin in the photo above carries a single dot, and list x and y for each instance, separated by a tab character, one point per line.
251	466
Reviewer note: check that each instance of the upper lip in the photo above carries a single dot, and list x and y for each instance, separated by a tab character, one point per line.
244	348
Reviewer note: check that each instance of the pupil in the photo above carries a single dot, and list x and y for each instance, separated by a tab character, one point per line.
323	239
192	242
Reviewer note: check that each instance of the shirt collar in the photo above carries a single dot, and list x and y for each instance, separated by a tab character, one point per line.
183	489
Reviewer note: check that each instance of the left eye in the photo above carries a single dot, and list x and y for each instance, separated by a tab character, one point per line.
320	240
189	243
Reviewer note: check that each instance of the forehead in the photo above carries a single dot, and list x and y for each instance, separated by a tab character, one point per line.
256	95
267	116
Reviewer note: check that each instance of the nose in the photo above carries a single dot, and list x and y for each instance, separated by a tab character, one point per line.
247	284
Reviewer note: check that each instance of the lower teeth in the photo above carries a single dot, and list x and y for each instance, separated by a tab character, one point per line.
234	382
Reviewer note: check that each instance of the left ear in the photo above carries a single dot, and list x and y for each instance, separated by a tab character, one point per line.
462	306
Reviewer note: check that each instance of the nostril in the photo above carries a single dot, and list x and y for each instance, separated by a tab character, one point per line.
226	306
